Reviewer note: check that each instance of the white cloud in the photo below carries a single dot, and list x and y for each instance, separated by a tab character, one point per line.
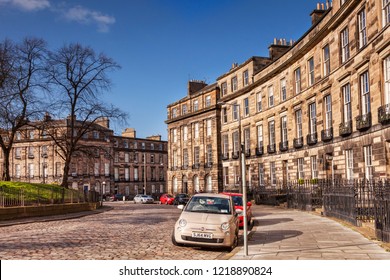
77	13
27	5
87	16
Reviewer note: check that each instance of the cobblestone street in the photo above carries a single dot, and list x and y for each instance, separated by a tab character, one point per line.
129	232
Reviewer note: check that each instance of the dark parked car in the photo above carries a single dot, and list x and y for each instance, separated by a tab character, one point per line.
181	198
118	197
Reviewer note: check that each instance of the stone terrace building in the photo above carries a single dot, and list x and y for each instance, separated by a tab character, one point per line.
318	109
193	149
140	165
109	164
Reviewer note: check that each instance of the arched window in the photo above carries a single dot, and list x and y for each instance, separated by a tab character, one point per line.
174	184
185	184
208	183
196	183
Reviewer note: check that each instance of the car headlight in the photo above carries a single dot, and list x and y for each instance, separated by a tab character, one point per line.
225	226
182	222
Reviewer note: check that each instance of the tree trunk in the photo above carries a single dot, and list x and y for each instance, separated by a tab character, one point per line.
65	176
6	168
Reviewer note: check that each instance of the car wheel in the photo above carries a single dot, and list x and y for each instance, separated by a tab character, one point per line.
235	243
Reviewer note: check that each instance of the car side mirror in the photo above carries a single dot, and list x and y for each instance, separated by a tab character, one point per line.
181	207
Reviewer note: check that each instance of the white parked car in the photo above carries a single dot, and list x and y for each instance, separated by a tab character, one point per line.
207	220
142	198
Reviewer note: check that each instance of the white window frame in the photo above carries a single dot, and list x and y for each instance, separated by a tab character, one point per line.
208	127
349	164
208	101
235	112
246	106
196	130
386	12
312	118
224	88
368	168
314	167
365	93
245	77
297	79
326	58
225	145
301	171
298	122
272	171
196	155
136	174
283	90
344	45
247	139
328	111
195	105
107	169
362	28
261	174
271	132
260	142
310	66
271	101
347	111
236	142
185	133
185	158
386	74
224	115
283	128
259	106
234	85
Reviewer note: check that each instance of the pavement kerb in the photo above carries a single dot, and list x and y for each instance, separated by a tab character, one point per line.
76	215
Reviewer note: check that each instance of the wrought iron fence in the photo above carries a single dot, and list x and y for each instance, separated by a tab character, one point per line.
40	195
382	210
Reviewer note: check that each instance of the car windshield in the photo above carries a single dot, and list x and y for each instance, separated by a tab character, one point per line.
237	200
204	204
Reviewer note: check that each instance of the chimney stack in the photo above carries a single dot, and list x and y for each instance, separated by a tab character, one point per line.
318	12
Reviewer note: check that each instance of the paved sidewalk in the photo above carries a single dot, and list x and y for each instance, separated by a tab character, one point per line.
285	234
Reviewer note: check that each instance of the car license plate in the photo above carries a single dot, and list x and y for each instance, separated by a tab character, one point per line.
205	235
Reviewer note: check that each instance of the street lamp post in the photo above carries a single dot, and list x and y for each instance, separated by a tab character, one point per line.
144	173
101	193
243	176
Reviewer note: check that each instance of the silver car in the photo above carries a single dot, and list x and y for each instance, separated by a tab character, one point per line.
208	220
142	198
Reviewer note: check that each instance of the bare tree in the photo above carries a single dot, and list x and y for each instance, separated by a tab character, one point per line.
21	70
78	78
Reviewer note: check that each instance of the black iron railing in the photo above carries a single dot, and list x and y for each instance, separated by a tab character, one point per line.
259	150
311	139
298	142
384	114
271	148
363	122
283	146
327	134
345	128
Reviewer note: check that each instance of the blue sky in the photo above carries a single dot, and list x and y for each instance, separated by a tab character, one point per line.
160	44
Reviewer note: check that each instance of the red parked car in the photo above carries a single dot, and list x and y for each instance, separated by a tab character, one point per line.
167	199
237	200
